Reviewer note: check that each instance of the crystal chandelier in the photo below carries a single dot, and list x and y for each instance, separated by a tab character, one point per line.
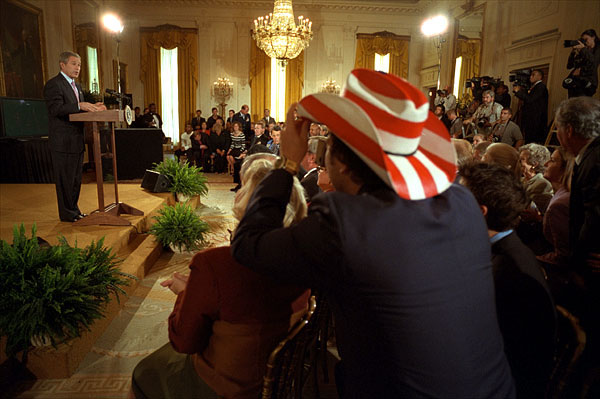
278	35
222	90
330	86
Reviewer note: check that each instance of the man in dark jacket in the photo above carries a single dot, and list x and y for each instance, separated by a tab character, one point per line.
415	315
534	112
64	97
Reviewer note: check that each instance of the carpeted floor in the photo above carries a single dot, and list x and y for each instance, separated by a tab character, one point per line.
141	326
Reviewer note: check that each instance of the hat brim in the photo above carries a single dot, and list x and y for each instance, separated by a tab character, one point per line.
427	172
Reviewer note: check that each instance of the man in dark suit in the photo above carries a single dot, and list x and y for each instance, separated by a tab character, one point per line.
64	97
534	112
578	123
156	119
198	119
243	117
415	315
524	305
268	119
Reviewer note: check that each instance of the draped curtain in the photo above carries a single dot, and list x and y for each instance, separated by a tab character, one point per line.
85	35
383	43
260	82
470	51
169	37
294	80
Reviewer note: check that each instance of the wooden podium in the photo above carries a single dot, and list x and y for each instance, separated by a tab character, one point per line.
106	215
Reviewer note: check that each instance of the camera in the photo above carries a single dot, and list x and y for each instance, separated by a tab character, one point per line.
482	121
520	78
571	43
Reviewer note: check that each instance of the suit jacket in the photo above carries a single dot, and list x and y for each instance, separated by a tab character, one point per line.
268	120
402	295
245	122
534	112
584	207
526	315
197	122
64	136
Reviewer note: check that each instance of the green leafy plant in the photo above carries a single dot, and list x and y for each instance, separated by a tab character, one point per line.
53	292
185	179
179	226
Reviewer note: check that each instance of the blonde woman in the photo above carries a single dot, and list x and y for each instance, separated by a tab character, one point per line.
227	318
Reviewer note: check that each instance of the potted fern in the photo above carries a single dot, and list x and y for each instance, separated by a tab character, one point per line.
52	293
186	180
179	228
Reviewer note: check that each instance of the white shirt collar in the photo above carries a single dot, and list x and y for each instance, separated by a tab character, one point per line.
68	78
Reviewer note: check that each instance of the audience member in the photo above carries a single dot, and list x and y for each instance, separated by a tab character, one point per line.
236	152
200	147
506	131
464	151
478	138
260	137
413	319
267	118
457	130
578	124
273	144
155	116
480	149
226	319
198	119
315	130
556	219
218	144
533	160
324	182
243	117
503	96
213	118
523	302
185	144
504	155
440	112
230	117
309	181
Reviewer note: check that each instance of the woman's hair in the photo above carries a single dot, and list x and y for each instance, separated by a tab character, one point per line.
592	33
238	124
504	155
566	164
254	169
217	126
464	151
538	156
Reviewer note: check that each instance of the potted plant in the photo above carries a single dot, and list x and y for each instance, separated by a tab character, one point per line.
179	227
186	180
52	293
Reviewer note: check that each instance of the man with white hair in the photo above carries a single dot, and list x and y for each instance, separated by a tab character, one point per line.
414	316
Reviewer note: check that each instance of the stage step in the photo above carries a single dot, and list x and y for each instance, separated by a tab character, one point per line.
63	361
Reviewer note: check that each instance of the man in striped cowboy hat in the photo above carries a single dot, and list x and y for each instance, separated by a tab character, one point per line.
414	312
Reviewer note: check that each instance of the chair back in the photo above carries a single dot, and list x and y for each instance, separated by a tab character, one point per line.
289	365
570	345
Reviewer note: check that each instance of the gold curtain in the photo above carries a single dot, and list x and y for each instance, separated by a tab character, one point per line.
260	82
294	80
470	51
170	37
383	43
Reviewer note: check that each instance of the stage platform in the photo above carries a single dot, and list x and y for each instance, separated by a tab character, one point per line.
138	251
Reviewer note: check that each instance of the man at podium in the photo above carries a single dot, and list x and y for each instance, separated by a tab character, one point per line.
66	141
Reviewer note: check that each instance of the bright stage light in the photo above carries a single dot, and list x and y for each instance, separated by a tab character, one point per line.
112	23
434	26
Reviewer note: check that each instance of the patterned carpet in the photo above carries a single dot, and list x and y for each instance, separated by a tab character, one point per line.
141	326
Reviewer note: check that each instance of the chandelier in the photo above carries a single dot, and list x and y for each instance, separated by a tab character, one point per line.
278	35
222	90
330	86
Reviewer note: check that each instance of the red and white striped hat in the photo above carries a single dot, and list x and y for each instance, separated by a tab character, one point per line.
386	121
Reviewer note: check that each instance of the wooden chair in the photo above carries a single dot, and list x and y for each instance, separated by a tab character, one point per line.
571	343
291	362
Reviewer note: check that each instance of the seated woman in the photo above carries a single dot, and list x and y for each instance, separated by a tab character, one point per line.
237	146
533	158
504	155
226	319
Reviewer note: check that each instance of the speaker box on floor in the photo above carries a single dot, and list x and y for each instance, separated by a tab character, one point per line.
155	182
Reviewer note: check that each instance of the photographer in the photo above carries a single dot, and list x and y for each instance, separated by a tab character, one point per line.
534	112
487	113
583	62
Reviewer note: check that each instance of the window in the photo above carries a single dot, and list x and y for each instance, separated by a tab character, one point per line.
92	64
278	90
382	62
457	69
168	85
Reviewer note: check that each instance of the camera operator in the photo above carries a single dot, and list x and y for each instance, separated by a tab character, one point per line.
583	62
534	112
487	113
503	96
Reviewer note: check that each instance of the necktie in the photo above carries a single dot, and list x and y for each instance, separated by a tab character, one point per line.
75	90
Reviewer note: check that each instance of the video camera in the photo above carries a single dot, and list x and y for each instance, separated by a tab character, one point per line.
520	78
572	43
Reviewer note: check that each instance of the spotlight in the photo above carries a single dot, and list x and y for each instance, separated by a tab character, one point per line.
112	23
434	26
